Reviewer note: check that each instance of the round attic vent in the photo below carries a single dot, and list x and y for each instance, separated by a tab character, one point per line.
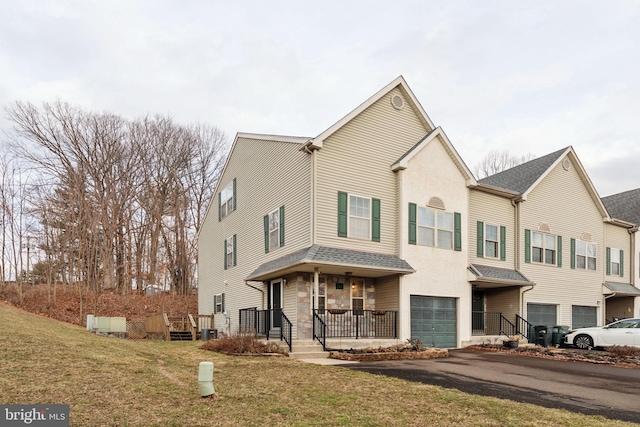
566	164
397	102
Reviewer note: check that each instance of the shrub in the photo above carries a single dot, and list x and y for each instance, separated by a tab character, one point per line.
241	344
624	351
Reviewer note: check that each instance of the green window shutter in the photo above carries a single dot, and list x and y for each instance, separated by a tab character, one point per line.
235	252
281	225
219	206
573	253
559	257
457	231
266	234
621	263
342	214
215	311
222	298
225	254
235	201
527	245
413	219
375	220
480	239
503	243
608	261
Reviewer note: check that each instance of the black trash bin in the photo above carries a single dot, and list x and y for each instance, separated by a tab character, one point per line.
543	335
557	336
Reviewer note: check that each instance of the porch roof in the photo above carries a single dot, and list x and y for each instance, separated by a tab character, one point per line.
621	289
333	261
494	277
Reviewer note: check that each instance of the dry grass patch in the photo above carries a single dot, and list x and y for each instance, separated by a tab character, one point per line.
112	382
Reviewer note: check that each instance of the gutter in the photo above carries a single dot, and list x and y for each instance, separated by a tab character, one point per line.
246	282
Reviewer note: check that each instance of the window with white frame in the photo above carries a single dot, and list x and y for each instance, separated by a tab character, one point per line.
435	228
357	296
491	242
543	248
615	262
229	254
226	200
359	217
218	303
426	226
322	294
445	229
274	229
586	255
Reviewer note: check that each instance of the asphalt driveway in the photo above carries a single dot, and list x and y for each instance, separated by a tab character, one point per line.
593	389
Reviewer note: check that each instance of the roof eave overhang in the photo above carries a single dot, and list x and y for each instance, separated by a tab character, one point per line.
492	189
308	266
488	282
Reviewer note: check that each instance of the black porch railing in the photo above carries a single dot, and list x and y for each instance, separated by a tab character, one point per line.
354	324
266	323
524	328
491	323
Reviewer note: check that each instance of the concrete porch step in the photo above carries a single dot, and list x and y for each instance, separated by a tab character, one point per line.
307	349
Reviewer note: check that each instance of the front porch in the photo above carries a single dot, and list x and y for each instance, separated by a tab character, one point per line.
332	328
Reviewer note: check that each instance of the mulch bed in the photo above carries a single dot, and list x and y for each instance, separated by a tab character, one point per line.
399	355
568	354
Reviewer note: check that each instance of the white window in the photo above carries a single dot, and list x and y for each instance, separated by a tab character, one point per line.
274	229
426	226
491	241
226	200
218	303
229	255
435	228
615	262
322	294
586	255
445	229
543	248
359	217
357	296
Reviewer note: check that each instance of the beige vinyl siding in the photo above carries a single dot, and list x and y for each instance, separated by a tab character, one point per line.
268	174
387	293
620	307
503	301
492	210
553	201
619	238
356	159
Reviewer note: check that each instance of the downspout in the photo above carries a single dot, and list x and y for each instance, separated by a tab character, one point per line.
246	282
604	307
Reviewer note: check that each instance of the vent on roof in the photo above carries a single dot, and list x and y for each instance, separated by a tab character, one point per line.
566	164
397	102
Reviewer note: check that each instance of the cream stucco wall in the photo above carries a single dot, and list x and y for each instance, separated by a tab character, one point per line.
440	272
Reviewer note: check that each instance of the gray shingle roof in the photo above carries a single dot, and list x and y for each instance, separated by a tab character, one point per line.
520	178
500	273
624	206
622	288
328	255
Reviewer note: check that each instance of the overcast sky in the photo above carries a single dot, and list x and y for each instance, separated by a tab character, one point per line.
530	77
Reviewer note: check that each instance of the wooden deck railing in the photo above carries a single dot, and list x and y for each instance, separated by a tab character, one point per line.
164	324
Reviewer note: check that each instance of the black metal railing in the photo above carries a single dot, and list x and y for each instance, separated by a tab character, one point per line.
524	328
266	323
355	324
491	323
319	330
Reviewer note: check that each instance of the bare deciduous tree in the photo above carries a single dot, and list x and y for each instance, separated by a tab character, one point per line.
499	160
